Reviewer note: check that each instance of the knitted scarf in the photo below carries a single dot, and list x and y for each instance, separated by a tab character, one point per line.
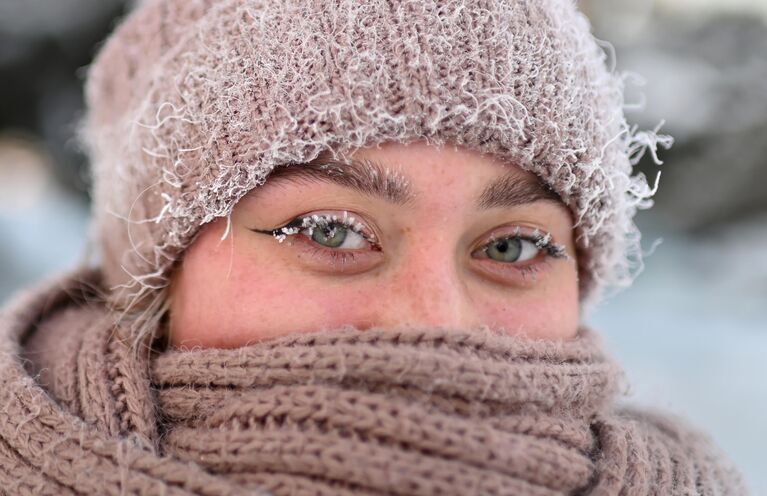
405	412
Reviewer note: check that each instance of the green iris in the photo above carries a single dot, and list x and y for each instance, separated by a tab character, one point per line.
505	250
321	235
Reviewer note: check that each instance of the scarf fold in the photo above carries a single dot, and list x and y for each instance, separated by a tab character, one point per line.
380	411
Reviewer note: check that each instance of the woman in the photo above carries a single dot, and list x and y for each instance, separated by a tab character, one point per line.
345	248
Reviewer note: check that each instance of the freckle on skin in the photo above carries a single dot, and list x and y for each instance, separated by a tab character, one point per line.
271	294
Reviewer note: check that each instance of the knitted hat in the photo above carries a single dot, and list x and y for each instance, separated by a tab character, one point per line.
191	104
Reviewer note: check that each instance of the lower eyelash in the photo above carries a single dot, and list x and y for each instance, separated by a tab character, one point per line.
529	270
335	257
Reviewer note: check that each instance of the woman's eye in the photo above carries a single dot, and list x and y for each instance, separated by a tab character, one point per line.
330	242
510	250
335	235
327	230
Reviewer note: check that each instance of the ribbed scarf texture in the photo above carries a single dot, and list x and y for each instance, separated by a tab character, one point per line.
381	411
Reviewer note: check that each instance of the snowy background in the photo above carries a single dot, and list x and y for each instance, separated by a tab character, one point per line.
691	333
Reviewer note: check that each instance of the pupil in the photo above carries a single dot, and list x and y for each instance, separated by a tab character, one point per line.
322	235
505	250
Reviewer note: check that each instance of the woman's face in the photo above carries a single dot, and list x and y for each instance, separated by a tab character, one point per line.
422	236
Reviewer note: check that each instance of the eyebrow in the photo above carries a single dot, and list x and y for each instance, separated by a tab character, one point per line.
373	179
513	190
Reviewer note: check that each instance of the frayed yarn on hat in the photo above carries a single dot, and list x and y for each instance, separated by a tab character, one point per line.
191	104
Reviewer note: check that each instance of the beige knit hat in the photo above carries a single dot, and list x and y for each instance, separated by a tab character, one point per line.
193	102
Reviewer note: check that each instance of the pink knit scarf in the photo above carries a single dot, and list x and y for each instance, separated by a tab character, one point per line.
406	412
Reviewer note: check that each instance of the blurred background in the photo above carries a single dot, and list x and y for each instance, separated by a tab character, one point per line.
692	331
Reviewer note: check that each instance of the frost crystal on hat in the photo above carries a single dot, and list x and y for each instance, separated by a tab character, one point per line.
193	102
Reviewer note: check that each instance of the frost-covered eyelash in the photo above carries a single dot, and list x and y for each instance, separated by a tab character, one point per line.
315	221
541	240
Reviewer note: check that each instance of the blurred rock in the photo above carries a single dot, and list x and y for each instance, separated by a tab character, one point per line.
714	180
35	19
24	168
705	66
714	7
44	47
736	258
702	78
42	225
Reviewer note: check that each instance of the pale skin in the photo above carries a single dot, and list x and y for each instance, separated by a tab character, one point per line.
420	259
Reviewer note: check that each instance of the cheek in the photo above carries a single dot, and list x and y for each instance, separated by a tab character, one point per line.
227	296
550	312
